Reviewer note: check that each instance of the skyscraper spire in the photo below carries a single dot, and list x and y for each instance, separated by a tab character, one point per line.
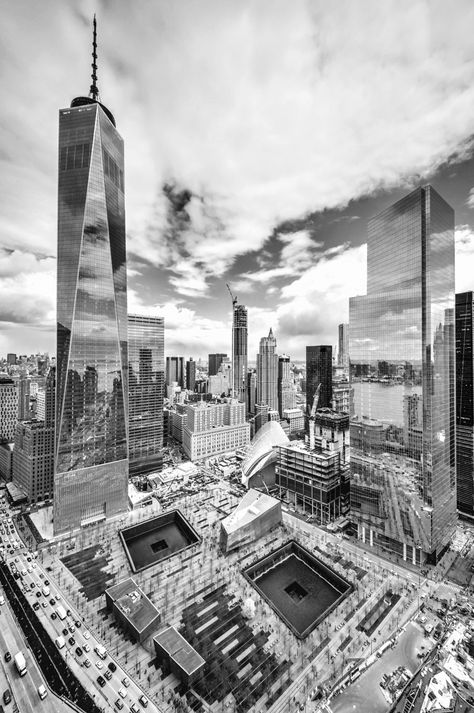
94	90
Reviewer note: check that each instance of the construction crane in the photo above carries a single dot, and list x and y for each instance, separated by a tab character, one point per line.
312	417
234	299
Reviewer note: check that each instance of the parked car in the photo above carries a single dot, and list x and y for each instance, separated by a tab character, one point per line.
101	681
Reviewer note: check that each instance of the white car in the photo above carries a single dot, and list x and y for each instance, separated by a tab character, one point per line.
86	648
99	664
85	633
122	692
126	681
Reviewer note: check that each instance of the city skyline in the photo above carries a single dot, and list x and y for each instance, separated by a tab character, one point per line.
283	218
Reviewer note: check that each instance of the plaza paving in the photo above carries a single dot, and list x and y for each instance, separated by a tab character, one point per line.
86	563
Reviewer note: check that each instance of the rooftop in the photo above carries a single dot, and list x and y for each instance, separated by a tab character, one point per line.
179	650
133	603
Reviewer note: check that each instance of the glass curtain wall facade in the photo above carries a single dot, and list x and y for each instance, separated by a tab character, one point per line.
465	402
146	382
401	346
318	371
239	352
91	459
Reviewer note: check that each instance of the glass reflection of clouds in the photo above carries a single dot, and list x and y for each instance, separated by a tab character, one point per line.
402	369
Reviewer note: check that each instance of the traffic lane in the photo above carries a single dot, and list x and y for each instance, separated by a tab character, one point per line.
81	637
25	687
44	616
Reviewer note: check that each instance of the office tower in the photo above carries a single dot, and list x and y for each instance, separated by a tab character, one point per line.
318	371
251	390
220	384
215	428
465	402
146	383
190	374
33	456
11	359
175	371
239	351
286	390
342	396
214	362
24	385
91	462
6	460
267	372
401	347
295	419
8	408
343	345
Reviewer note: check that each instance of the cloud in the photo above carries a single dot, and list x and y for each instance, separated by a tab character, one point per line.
464	237
470	199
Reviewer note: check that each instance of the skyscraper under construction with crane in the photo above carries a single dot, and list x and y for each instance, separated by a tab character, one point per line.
239	349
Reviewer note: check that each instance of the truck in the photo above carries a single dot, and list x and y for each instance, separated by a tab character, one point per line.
60	643
61	612
20	663
101	651
45	591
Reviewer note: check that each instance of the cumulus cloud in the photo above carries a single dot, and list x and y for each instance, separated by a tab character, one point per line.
464	236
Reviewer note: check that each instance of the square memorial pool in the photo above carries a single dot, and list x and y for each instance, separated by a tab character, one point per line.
157	539
299	587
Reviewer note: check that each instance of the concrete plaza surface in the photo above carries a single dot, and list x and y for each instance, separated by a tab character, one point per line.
174	584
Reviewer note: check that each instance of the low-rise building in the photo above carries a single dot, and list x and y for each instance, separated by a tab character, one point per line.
137	614
254	516
183	660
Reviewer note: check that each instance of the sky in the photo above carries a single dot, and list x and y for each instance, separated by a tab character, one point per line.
260	137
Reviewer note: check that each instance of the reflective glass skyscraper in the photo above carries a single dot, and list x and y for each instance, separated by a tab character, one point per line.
146	380
465	402
91	458
401	349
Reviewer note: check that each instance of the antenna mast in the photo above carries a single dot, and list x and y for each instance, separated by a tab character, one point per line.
94	90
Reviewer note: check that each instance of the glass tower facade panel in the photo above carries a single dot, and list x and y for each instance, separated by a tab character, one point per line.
318	371
401	345
465	402
91	460
146	374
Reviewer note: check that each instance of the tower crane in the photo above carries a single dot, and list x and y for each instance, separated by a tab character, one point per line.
234	299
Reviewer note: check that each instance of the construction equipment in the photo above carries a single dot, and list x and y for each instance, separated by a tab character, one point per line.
312	416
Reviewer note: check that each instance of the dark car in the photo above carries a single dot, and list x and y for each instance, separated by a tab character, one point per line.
72	640
108	674
68	611
46	581
7	696
112	666
8	656
52	602
101	681
36	606
77	623
65	632
38	594
54	615
79	651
